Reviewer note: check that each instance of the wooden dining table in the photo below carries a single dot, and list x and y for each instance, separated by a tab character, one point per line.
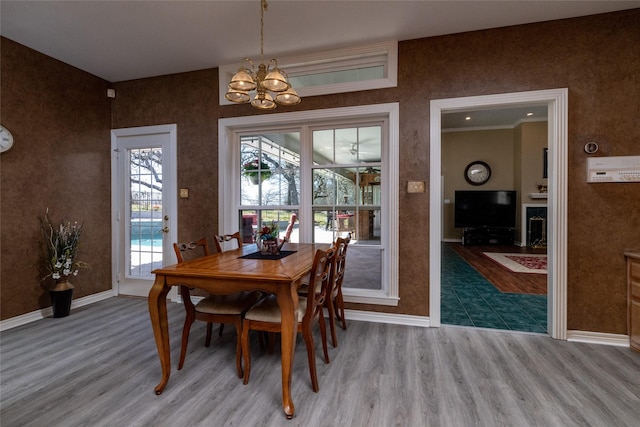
229	272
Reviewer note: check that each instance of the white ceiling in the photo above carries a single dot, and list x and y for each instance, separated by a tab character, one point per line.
480	118
124	40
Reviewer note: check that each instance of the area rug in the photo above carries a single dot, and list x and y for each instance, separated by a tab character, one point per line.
520	263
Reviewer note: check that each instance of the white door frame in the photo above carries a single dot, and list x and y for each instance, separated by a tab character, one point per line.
169	189
557	102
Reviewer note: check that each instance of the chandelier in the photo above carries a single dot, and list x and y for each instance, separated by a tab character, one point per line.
267	78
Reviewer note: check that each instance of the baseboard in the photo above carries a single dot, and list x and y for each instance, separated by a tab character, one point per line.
48	311
396	319
450	240
598	338
365	316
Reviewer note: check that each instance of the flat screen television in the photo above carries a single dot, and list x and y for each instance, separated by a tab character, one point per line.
485	209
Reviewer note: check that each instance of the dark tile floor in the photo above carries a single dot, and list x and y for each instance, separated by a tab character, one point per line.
468	299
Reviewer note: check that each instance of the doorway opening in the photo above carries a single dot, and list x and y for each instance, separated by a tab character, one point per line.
555	101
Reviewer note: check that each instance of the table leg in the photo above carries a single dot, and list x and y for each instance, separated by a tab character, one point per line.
288	302
160	324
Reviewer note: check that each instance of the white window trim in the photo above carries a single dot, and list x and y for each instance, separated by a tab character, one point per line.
229	192
333	60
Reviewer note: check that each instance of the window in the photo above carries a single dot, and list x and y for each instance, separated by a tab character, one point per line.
333	169
346	182
269	181
373	66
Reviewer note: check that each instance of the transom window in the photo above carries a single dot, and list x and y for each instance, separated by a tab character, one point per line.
373	66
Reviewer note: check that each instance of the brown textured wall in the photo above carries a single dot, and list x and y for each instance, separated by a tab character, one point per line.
190	101
60	119
596	58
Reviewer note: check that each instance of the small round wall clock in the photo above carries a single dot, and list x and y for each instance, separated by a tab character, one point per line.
477	173
6	139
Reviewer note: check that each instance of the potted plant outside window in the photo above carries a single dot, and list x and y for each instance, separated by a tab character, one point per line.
256	170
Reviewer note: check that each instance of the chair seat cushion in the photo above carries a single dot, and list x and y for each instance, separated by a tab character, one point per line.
228	304
267	310
304	289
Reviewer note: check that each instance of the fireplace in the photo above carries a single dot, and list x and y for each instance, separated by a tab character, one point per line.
534	225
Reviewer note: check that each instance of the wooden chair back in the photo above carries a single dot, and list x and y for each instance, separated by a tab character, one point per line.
224	241
191	250
335	301
341	246
320	279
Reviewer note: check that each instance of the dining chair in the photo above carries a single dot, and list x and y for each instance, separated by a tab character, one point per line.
213	308
337	300
335	303
220	241
265	316
335	291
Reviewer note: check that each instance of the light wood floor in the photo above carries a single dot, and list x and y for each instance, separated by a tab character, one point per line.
98	367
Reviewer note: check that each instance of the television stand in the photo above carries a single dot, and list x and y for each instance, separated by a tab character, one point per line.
487	236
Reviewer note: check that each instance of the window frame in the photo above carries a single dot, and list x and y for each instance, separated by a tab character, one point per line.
229	172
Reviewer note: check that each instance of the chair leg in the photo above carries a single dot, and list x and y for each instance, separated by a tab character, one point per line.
221	329
308	340
332	321
207	339
188	321
246	352
323	335
272	342
340	308
238	323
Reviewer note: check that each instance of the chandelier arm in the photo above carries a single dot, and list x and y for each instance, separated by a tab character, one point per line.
252	70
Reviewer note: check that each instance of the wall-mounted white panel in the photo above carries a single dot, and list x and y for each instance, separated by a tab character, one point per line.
613	169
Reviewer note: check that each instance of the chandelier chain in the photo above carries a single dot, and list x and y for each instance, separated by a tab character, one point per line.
263	79
263	7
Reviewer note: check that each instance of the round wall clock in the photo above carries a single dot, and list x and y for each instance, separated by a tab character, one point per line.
477	173
6	139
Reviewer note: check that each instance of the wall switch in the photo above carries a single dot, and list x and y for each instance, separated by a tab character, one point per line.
415	187
184	193
111	93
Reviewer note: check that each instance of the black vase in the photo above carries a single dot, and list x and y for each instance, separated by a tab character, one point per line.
61	302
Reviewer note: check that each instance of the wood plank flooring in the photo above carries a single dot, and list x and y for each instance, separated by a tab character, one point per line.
500	277
98	367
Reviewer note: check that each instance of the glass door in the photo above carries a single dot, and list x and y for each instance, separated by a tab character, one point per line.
144	215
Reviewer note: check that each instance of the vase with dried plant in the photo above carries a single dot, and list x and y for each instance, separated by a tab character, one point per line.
62	241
